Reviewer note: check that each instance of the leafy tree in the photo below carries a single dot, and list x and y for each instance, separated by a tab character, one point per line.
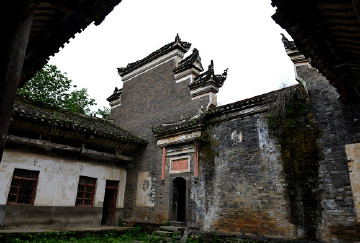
104	113
51	87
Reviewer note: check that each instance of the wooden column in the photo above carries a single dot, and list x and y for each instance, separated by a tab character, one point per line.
17	18
163	165
196	166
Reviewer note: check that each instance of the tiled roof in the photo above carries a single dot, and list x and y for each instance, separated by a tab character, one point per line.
115	95
197	122
174	127
250	102
207	75
68	120
189	62
177	44
327	32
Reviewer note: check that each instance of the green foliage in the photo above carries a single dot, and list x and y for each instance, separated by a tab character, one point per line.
51	87
272	121
287	106
78	101
104	113
136	234
120	222
293	111
79	236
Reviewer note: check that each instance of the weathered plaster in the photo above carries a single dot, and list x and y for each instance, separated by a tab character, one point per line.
58	178
145	190
353	155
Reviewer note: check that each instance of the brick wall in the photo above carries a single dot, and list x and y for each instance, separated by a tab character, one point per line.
339	125
240	186
253	180
147	101
293	184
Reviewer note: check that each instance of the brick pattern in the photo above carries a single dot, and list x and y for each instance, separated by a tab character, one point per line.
240	185
340	125
243	187
149	100
243	184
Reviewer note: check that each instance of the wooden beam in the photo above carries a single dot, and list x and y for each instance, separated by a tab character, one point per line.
14	40
42	143
82	149
107	155
356	7
163	165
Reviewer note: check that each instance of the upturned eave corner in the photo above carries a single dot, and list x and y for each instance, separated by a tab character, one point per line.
208	77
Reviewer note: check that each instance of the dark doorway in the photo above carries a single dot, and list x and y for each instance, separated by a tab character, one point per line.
109	206
178	205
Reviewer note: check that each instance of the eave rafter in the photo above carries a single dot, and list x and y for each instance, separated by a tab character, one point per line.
328	33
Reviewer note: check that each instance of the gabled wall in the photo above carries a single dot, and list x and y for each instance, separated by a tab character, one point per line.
148	100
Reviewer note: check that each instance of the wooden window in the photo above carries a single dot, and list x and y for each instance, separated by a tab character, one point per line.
86	192
23	187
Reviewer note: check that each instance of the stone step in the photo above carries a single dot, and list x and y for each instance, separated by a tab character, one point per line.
172	228
164	233
177	224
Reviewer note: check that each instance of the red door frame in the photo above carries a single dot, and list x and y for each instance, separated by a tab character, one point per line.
115	188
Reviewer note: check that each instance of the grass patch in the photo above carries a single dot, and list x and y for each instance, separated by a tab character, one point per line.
131	235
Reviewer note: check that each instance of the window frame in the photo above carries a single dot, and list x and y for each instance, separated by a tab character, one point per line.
21	180
84	191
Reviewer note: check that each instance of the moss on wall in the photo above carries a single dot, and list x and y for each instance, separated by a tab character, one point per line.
300	157
209	150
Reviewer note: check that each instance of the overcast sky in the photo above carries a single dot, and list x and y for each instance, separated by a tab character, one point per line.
239	35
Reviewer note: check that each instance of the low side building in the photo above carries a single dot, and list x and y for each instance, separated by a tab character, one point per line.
63	169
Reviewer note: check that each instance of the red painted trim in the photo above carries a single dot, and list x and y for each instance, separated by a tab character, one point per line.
83	198
163	165
196	167
115	200
21	180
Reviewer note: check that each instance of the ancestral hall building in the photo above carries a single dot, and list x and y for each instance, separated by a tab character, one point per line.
170	153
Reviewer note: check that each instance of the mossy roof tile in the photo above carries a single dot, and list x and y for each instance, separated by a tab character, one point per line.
74	121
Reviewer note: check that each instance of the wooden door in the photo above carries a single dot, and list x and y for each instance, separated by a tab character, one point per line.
109	206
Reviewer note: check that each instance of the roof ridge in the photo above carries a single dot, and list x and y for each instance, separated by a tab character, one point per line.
176	44
189	62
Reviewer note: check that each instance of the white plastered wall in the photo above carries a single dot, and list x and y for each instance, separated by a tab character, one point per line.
58	178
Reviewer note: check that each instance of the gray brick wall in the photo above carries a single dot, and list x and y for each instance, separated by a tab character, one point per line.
252	180
263	186
147	101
